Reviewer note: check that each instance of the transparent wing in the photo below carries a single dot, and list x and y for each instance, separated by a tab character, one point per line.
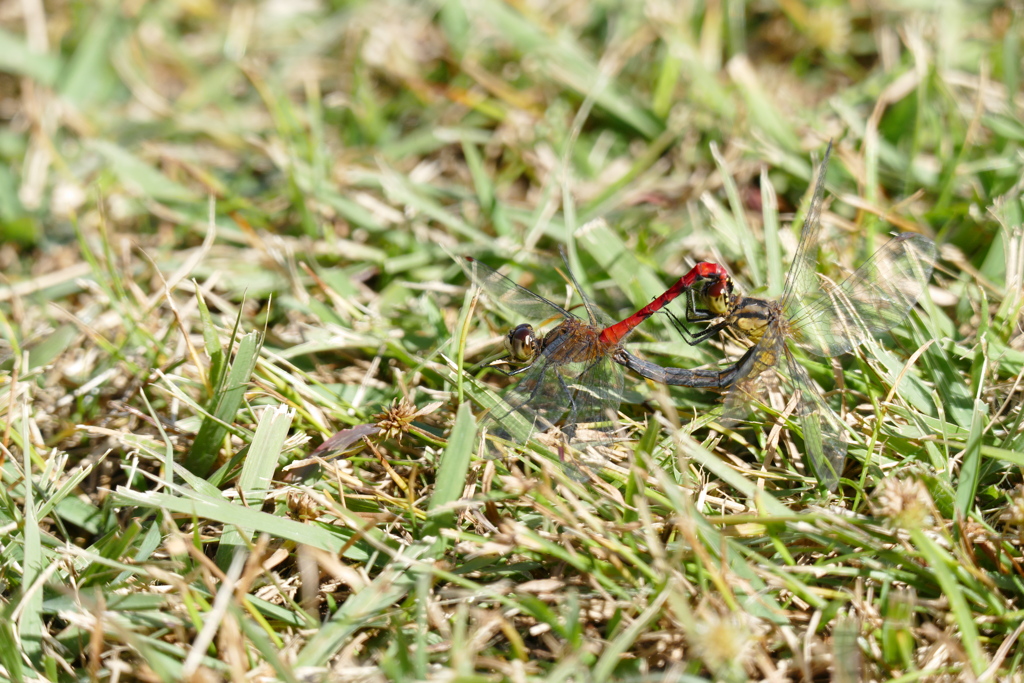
571	393
824	438
507	294
529	400
755	373
824	432
876	297
801	278
596	395
597	318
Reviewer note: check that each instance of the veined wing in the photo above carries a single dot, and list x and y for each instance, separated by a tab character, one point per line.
575	392
756	372
537	386
824	440
876	297
507	294
596	395
801	278
597	318
824	433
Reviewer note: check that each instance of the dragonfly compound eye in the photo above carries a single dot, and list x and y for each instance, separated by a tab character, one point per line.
521	344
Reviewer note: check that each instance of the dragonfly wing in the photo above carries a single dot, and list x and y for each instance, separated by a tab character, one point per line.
872	300
576	392
528	405
595	393
597	318
507	294
801	276
755	373
824	432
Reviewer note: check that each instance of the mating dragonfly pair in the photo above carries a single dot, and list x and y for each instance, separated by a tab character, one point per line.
573	374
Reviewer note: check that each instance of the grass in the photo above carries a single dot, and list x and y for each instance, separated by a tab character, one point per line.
224	244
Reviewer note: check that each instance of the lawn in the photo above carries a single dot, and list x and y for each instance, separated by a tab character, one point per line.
245	402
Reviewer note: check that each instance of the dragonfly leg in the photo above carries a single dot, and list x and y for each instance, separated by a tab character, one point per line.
694	314
517	371
694	338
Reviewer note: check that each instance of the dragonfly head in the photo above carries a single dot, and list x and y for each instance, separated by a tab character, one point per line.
717	289
522	344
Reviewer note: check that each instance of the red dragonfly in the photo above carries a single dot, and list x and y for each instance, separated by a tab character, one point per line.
569	373
821	316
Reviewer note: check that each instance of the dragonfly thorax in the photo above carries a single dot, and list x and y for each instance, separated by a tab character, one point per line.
752	317
573	341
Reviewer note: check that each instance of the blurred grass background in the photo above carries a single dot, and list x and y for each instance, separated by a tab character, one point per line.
223	230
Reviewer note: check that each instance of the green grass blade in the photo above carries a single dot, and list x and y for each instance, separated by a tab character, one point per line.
16	57
140	177
225	512
970	467
451	475
213	429
30	624
362	609
712	463
941	564
257	472
741	233
88	75
772	247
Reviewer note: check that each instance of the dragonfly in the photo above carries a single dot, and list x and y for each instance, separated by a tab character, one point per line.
568	374
824	317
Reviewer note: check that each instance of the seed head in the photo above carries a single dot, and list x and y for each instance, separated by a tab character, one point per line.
724	643
904	503
397	418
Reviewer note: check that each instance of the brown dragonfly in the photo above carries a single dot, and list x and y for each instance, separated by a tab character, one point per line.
568	374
